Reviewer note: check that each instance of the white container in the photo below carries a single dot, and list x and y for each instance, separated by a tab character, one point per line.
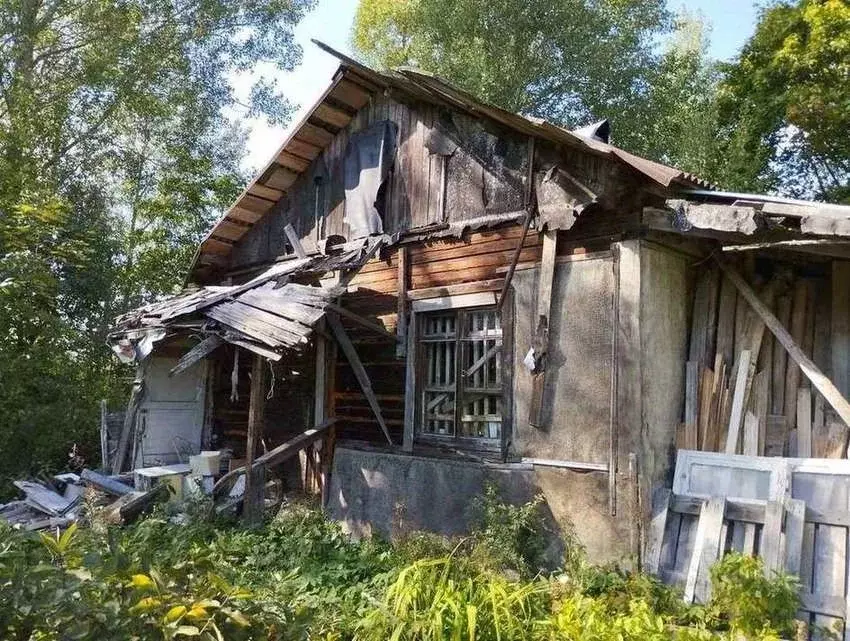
206	463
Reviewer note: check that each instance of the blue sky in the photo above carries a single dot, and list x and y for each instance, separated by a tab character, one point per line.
732	23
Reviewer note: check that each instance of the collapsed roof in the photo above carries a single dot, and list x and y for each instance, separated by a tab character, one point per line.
267	315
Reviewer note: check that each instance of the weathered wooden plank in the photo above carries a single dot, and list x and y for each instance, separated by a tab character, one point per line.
807	366
706	550
840	325
546	277
795	518
751	434
792	372
199	351
402	303
410	386
725	343
737	416
657	527
771	537
254	491
691	404
780	359
804	422
128	429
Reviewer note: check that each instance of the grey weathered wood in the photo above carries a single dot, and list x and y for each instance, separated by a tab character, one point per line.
795	519
706	549
771	541
359	371
807	366
253	502
104	436
804	422
401	317
410	387
546	277
751	434
129	426
105	483
840	325
199	351
691	404
657	527
737	415
457	289
792	371
295	241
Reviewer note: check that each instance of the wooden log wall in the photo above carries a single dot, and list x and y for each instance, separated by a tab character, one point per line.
481	256
485	175
743	393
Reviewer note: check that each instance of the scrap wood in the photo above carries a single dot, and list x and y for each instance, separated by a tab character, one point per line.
129	507
806	364
45	500
105	483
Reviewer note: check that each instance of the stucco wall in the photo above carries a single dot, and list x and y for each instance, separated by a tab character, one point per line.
388	494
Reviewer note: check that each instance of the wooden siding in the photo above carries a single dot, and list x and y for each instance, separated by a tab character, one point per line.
485	175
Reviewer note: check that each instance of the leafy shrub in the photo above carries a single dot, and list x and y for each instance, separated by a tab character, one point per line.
509	536
754	605
300	577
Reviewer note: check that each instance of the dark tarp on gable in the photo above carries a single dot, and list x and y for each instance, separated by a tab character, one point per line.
368	159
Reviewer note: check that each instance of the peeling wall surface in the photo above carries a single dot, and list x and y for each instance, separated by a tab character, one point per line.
387	494
664	307
577	397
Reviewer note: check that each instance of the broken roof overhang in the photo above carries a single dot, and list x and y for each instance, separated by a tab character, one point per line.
267	315
753	218
351	89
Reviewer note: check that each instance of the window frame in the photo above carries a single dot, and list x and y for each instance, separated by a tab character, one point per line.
461	306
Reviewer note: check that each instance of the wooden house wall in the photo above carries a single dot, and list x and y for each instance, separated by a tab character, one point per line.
485	175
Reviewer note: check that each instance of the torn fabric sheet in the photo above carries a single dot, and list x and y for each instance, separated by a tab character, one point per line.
368	159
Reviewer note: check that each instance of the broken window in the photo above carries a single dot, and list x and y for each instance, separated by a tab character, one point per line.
462	390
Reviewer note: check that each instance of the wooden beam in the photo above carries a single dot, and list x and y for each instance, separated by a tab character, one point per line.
255	478
199	351
359	371
401	317
545	279
356	318
821	383
410	387
295	241
129	422
840	333
280	453
737	416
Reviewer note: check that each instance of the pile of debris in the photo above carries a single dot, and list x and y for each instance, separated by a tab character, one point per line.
57	502
48	504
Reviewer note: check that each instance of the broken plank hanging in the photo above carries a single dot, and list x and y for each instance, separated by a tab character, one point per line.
199	351
359	371
545	277
807	365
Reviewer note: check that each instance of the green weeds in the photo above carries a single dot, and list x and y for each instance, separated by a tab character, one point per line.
300	577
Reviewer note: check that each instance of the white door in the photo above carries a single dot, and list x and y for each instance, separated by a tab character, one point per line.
171	415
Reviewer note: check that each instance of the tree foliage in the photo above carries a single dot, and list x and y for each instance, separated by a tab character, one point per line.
569	61
786	101
115	156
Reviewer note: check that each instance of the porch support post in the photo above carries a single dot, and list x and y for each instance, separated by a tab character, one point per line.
255	478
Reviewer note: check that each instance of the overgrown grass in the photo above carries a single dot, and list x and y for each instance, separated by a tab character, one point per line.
300	577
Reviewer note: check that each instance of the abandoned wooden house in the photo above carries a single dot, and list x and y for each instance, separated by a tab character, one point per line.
422	294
